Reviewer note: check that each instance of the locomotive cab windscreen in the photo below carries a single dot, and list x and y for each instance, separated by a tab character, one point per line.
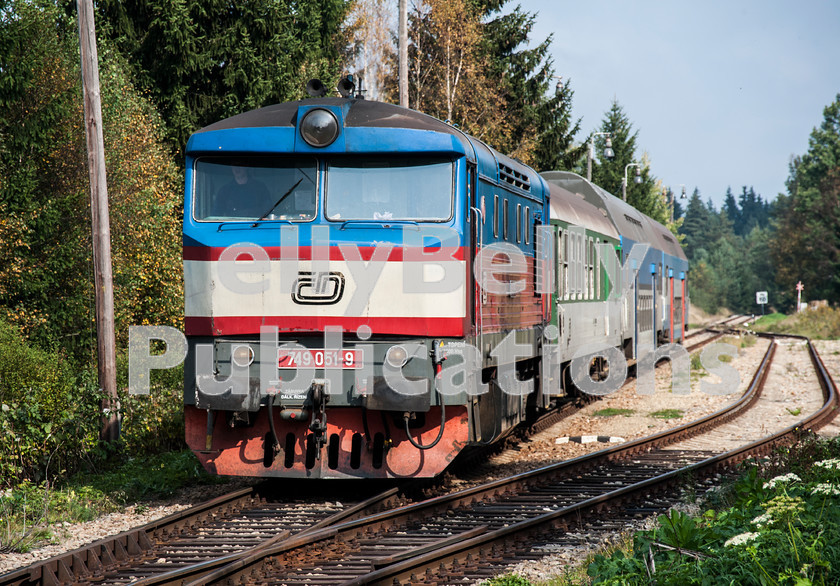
254	188
389	188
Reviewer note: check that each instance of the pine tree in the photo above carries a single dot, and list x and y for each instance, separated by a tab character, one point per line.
204	60
695	226
508	103
556	149
807	244
609	174
541	129
823	154
730	208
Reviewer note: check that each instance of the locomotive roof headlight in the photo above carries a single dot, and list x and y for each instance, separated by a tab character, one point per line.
242	356
319	127
396	356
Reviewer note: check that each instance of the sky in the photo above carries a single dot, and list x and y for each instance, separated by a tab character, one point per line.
722	93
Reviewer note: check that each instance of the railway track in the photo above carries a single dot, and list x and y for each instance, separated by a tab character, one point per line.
457	538
460	537
219	529
199	540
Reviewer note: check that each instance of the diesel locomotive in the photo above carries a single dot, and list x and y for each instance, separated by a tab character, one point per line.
369	290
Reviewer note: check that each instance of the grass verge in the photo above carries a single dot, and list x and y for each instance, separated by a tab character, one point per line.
611	412
777	523
821	324
667	414
29	512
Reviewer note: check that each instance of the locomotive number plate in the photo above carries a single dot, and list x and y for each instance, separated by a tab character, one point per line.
297	358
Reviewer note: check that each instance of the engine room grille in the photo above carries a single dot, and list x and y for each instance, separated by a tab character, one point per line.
514	177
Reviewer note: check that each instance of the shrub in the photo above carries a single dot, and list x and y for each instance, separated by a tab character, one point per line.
48	412
779	530
153	423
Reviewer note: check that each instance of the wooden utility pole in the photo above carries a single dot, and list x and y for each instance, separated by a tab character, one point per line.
100	224
403	50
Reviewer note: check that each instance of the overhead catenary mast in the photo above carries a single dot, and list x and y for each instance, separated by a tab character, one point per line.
100	224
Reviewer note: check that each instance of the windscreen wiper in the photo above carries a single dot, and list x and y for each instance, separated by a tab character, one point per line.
279	201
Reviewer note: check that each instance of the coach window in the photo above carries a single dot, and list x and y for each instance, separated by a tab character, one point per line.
518	222
505	221
585	269
580	269
496	216
591	268
598	268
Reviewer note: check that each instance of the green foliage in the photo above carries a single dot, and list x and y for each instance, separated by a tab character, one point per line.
781	530
48	414
39	95
697	364
32	513
807	244
766	322
474	65
204	60
541	130
612	411
45	258
507	580
609	174
822	323
667	414
153	423
726	269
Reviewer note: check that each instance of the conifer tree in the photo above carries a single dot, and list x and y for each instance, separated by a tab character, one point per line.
204	60
807	244
730	207
695	225
492	84
541	129
609	174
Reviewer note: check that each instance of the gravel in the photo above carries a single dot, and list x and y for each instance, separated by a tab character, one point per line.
70	536
538	450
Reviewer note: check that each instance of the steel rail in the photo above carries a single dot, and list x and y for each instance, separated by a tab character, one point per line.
313	541
466	551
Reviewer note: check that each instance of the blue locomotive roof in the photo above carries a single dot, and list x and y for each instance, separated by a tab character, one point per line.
367	126
354	113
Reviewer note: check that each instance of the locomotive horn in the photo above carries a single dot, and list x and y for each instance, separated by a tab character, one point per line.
316	89
346	86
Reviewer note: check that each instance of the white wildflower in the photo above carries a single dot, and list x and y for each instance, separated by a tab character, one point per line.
762	520
789	477
826	488
833	464
740	539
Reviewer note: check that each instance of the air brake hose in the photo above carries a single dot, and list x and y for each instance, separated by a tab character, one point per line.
418	445
275	442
